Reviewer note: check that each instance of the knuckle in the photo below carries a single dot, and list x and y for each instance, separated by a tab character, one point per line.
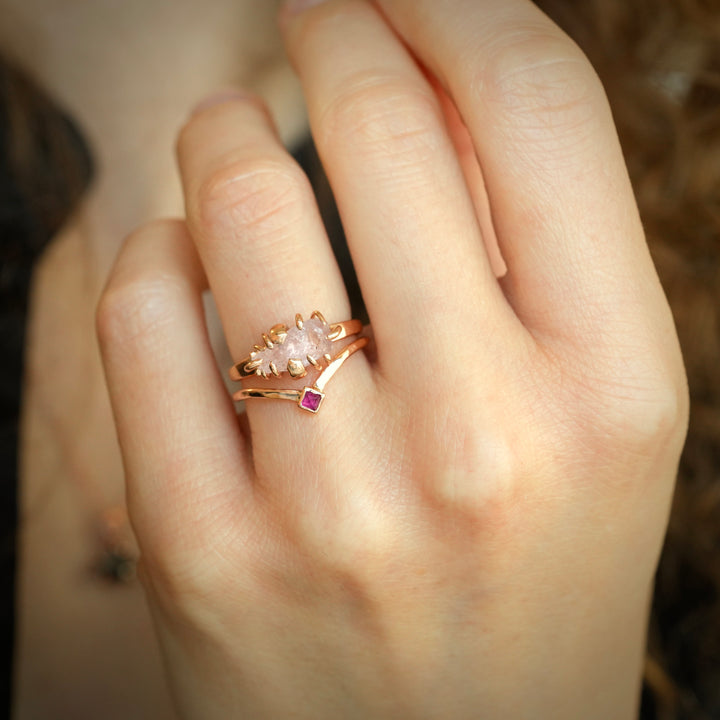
133	313
542	78
356	547
658	417
617	417
260	195
640	417
382	115
473	478
368	558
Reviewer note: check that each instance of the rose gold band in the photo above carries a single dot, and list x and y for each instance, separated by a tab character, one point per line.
295	350
311	396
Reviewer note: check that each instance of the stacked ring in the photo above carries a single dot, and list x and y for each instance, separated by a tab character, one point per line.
307	344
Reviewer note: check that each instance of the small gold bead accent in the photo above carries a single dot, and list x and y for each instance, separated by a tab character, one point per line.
296	368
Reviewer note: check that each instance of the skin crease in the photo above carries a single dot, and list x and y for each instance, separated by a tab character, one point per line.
343	571
482	549
91	652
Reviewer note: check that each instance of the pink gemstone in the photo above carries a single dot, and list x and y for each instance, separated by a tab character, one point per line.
298	344
311	400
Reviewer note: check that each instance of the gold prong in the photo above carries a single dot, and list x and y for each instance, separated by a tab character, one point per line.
299	321
278	333
314	362
258	348
252	366
268	342
328	357
317	314
263	374
274	370
296	368
335	332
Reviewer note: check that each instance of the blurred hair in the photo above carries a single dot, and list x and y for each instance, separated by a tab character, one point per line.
45	166
44	170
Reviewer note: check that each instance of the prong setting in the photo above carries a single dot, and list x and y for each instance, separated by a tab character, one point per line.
306	345
278	333
251	367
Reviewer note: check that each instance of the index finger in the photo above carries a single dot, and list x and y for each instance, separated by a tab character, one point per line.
561	200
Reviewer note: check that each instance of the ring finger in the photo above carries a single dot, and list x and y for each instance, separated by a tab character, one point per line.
252	214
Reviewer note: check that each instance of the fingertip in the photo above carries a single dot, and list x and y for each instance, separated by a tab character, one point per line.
219	97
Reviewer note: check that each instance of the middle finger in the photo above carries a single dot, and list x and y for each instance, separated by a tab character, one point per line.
408	214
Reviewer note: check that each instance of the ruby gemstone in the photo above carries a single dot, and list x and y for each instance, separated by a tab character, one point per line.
311	400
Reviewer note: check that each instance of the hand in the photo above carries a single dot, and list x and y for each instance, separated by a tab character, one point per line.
470	525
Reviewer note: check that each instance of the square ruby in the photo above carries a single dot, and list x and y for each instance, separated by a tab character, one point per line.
311	399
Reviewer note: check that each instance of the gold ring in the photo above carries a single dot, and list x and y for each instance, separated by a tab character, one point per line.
307	344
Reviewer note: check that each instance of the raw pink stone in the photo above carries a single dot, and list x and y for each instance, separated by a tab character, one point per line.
311	340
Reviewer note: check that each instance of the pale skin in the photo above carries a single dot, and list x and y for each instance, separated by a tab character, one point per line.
470	526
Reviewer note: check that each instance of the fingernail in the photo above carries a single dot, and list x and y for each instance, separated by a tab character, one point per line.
292	7
218	97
